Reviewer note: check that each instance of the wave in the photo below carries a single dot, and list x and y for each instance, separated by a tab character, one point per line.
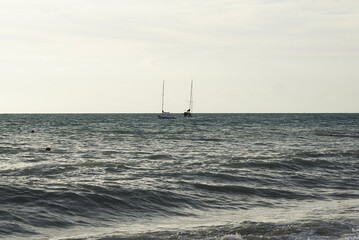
247	230
337	134
271	193
91	201
106	164
296	164
160	157
299	160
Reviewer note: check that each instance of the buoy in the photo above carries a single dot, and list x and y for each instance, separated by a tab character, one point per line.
47	149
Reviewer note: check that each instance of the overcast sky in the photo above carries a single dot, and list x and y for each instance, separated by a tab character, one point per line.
84	56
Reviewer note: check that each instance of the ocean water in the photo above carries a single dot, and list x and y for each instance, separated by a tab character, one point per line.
211	177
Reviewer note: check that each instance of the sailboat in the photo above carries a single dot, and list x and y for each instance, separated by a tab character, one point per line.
188	112
164	115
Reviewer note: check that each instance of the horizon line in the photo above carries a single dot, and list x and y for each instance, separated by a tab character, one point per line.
179	113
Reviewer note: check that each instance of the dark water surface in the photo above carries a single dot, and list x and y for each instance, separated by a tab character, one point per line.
213	176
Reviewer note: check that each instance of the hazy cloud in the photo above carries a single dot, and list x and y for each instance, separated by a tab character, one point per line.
294	55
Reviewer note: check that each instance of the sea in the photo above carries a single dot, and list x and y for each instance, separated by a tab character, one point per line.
208	177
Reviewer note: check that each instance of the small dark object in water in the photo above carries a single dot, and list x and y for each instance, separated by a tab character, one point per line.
32	131
47	149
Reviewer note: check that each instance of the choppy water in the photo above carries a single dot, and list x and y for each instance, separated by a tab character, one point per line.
213	176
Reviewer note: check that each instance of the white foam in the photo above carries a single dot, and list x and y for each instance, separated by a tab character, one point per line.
232	237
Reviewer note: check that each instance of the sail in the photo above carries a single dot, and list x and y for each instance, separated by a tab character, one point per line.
188	113
164	115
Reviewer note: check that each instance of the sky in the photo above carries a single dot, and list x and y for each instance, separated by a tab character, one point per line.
244	56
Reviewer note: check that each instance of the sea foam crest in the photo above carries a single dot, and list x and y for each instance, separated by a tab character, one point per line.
232	237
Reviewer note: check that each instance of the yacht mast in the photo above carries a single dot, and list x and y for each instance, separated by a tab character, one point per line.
163	93
191	98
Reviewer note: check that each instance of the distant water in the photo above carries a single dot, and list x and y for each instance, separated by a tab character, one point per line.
213	176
